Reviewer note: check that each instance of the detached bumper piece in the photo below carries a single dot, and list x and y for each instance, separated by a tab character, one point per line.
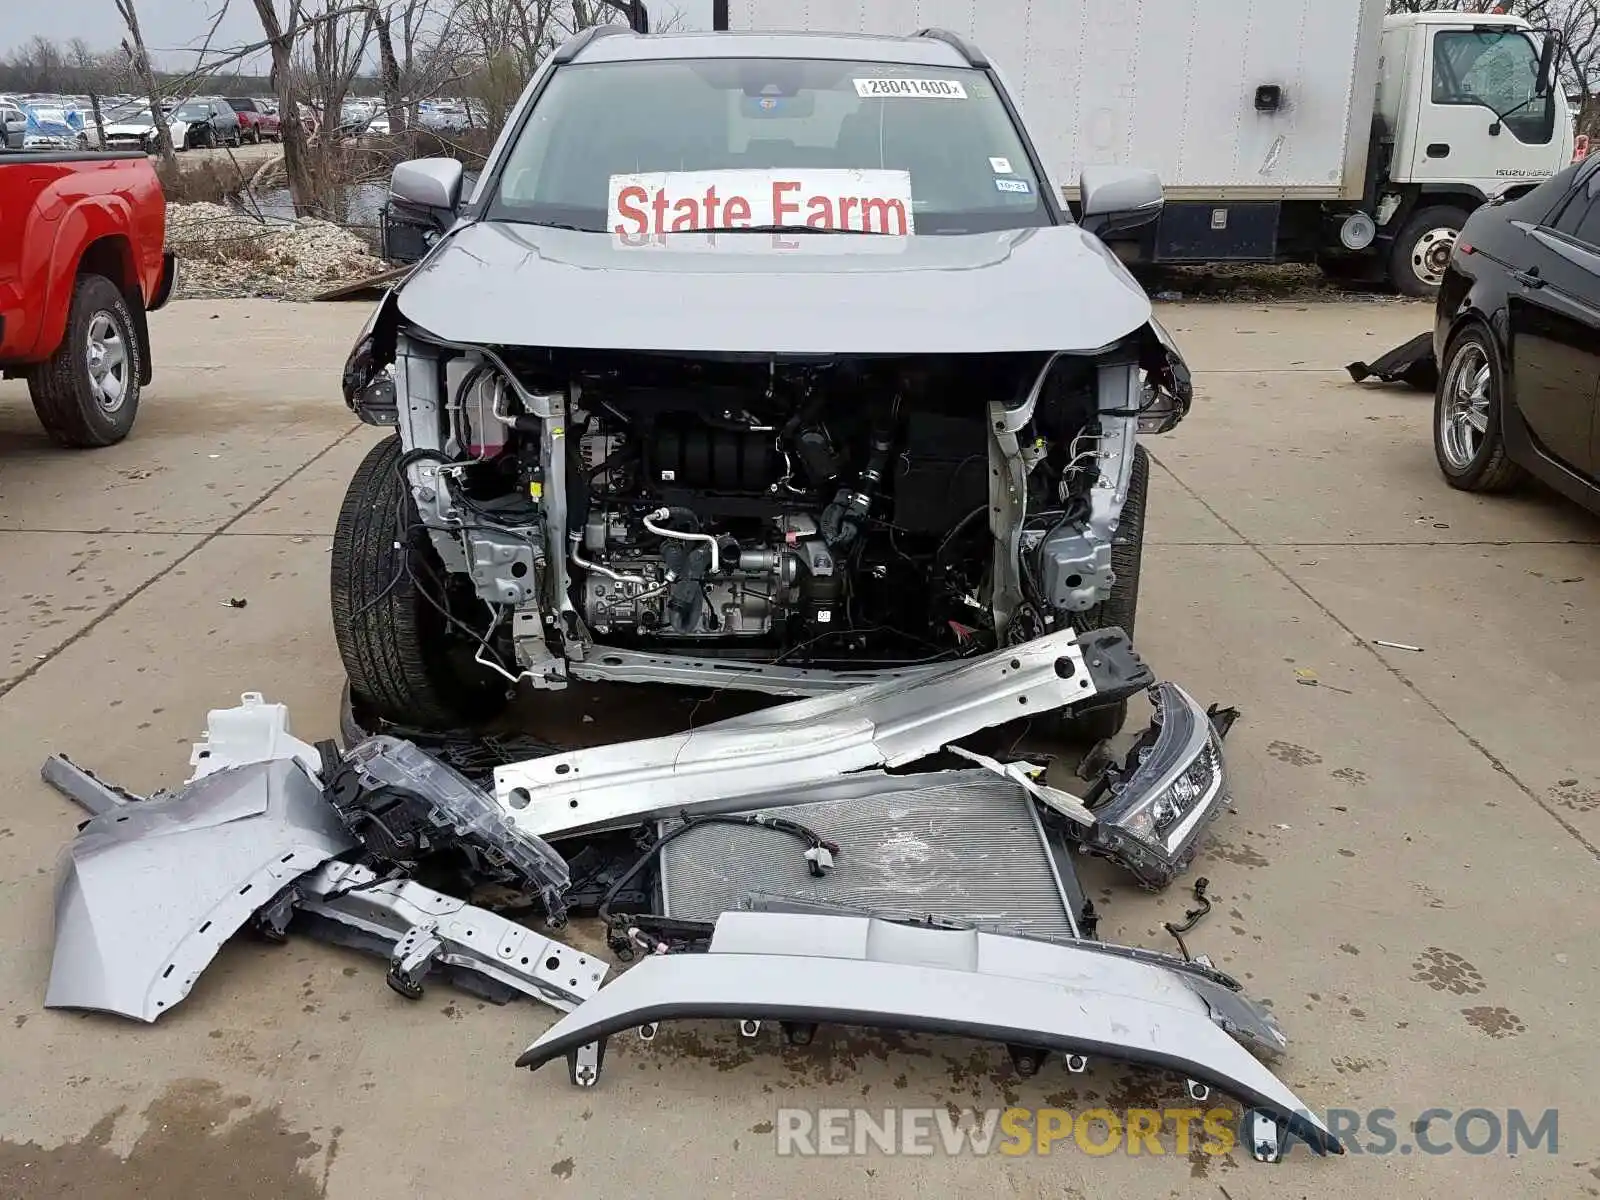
150	889
1034	997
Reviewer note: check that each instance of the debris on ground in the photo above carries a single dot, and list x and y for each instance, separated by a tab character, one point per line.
780	905
226	252
1398	646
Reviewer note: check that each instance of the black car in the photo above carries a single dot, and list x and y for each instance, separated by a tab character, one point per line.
1518	343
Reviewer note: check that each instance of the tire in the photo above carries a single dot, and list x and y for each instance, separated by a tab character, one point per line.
208	139
1417	262
1471	393
1120	608
77	407
83	141
405	661
255	137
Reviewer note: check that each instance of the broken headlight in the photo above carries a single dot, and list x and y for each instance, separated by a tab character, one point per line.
1151	811
1169	386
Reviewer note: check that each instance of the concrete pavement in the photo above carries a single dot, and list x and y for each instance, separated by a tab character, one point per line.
1410	874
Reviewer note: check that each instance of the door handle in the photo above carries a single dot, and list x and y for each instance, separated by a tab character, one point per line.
1439	150
1529	278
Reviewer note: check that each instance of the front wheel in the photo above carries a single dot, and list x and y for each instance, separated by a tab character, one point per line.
1468	414
1121	607
1422	251
406	628
87	393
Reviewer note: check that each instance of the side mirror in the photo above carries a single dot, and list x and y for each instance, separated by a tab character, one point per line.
428	183
1547	64
1117	199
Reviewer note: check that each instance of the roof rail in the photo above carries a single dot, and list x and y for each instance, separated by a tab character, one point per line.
574	46
974	56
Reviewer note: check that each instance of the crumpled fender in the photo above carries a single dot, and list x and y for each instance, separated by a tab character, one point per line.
147	894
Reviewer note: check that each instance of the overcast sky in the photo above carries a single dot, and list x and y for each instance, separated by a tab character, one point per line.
172	25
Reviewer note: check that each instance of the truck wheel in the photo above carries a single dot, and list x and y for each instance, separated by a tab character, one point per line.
1422	251
87	393
1120	608
407	660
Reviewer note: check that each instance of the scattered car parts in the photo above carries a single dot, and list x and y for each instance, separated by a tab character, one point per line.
882	725
419	928
1034	997
1151	811
148	892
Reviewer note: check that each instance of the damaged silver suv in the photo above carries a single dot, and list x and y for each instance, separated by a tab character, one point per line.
768	362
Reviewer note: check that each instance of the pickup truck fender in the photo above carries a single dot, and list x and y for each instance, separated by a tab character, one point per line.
75	222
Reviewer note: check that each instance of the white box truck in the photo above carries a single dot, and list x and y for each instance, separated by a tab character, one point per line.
1283	130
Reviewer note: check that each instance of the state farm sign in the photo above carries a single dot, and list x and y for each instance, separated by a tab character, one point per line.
644	207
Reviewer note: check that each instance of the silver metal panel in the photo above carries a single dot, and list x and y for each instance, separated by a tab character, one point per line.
847	970
887	724
962	845
147	893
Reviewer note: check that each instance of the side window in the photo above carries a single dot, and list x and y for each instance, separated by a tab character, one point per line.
1497	70
1579	217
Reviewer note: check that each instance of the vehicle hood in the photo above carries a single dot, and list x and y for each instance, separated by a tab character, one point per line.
138	127
499	283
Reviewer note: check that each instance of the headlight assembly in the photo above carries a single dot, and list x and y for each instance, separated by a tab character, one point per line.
1151	811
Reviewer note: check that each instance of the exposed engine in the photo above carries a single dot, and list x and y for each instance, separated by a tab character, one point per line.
834	514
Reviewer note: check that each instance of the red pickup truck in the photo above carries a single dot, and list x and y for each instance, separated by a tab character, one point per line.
82	260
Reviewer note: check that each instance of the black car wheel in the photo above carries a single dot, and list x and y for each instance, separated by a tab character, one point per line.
1422	251
87	393
1468	414
405	630
1121	607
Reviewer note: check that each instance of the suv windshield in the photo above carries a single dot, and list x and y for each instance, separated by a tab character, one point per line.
678	145
195	111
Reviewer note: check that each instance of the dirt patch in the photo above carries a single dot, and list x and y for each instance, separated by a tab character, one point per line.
194	1145
1445	971
1495	1022
1569	793
1295	756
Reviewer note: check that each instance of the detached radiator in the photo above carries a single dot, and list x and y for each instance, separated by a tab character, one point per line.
960	845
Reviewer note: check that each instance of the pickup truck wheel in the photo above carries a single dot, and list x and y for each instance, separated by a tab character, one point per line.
87	393
1120	608
1422	251
407	660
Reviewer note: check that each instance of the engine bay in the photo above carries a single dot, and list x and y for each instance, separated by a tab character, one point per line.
819	514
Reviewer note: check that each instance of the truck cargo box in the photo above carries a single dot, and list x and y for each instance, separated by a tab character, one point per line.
1245	99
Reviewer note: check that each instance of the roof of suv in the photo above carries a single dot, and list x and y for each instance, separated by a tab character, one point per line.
624	46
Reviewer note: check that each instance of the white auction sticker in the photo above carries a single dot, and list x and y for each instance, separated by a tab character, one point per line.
1001	166
1013	185
915	89
645	207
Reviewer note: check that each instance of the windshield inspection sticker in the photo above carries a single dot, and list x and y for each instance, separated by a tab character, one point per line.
1001	166
913	89
643	208
1020	186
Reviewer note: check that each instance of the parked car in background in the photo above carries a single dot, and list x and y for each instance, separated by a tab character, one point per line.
13	125
1518	342
255	123
81	262
132	127
205	121
48	129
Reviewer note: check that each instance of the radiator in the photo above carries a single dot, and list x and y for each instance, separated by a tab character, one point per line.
960	845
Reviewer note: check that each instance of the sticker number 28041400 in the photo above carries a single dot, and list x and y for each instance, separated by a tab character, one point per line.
929	89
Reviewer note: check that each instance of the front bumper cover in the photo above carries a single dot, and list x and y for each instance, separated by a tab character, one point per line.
1032	996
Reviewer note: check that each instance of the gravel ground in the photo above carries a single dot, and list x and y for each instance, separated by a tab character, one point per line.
225	253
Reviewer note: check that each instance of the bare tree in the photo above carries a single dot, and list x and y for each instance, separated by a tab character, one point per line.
140	58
